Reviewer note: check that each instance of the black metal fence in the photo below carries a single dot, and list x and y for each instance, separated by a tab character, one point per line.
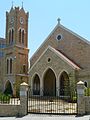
66	104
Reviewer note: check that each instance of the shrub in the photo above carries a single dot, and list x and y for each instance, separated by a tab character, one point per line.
87	92
74	99
4	98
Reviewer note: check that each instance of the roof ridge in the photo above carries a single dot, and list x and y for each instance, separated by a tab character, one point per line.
45	40
74	33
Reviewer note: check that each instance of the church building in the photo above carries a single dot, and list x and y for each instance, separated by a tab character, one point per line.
59	63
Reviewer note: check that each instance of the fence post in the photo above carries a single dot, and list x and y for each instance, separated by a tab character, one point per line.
23	99
80	98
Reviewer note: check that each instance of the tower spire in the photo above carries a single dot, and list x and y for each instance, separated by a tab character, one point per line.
12	4
22	4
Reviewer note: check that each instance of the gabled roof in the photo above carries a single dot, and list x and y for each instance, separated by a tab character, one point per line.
64	58
75	34
46	39
61	26
74	47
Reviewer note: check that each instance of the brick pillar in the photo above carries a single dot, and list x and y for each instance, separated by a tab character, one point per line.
23	99
80	98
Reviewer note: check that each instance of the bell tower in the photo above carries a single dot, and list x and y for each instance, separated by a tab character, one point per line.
17	27
16	51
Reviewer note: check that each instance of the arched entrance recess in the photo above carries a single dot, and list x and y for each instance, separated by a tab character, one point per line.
64	84
36	85
8	88
49	83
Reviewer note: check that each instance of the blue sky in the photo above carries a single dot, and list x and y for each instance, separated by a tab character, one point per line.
43	14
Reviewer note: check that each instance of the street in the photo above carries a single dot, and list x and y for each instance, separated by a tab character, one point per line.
47	117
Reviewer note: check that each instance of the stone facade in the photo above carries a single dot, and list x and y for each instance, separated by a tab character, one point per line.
62	51
71	45
57	64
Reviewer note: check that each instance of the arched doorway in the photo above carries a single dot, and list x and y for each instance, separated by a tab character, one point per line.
8	88
36	85
64	84
49	83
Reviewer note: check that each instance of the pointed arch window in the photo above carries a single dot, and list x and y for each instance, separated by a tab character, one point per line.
23	36
64	84
11	35
10	65
36	85
7	66
20	35
24	68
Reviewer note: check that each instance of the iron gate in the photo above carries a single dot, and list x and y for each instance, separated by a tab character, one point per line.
52	104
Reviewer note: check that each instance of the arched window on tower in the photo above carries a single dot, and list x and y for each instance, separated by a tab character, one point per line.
10	65
9	36
24	68
7	66
23	36
12	35
20	35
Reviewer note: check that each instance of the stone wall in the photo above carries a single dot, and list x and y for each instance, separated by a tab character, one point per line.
9	110
87	104
16	110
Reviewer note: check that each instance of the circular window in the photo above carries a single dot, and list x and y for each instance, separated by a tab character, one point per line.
59	37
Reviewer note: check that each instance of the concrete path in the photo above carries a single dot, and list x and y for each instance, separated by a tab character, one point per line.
47	117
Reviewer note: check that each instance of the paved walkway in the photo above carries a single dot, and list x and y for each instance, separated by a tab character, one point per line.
47	117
